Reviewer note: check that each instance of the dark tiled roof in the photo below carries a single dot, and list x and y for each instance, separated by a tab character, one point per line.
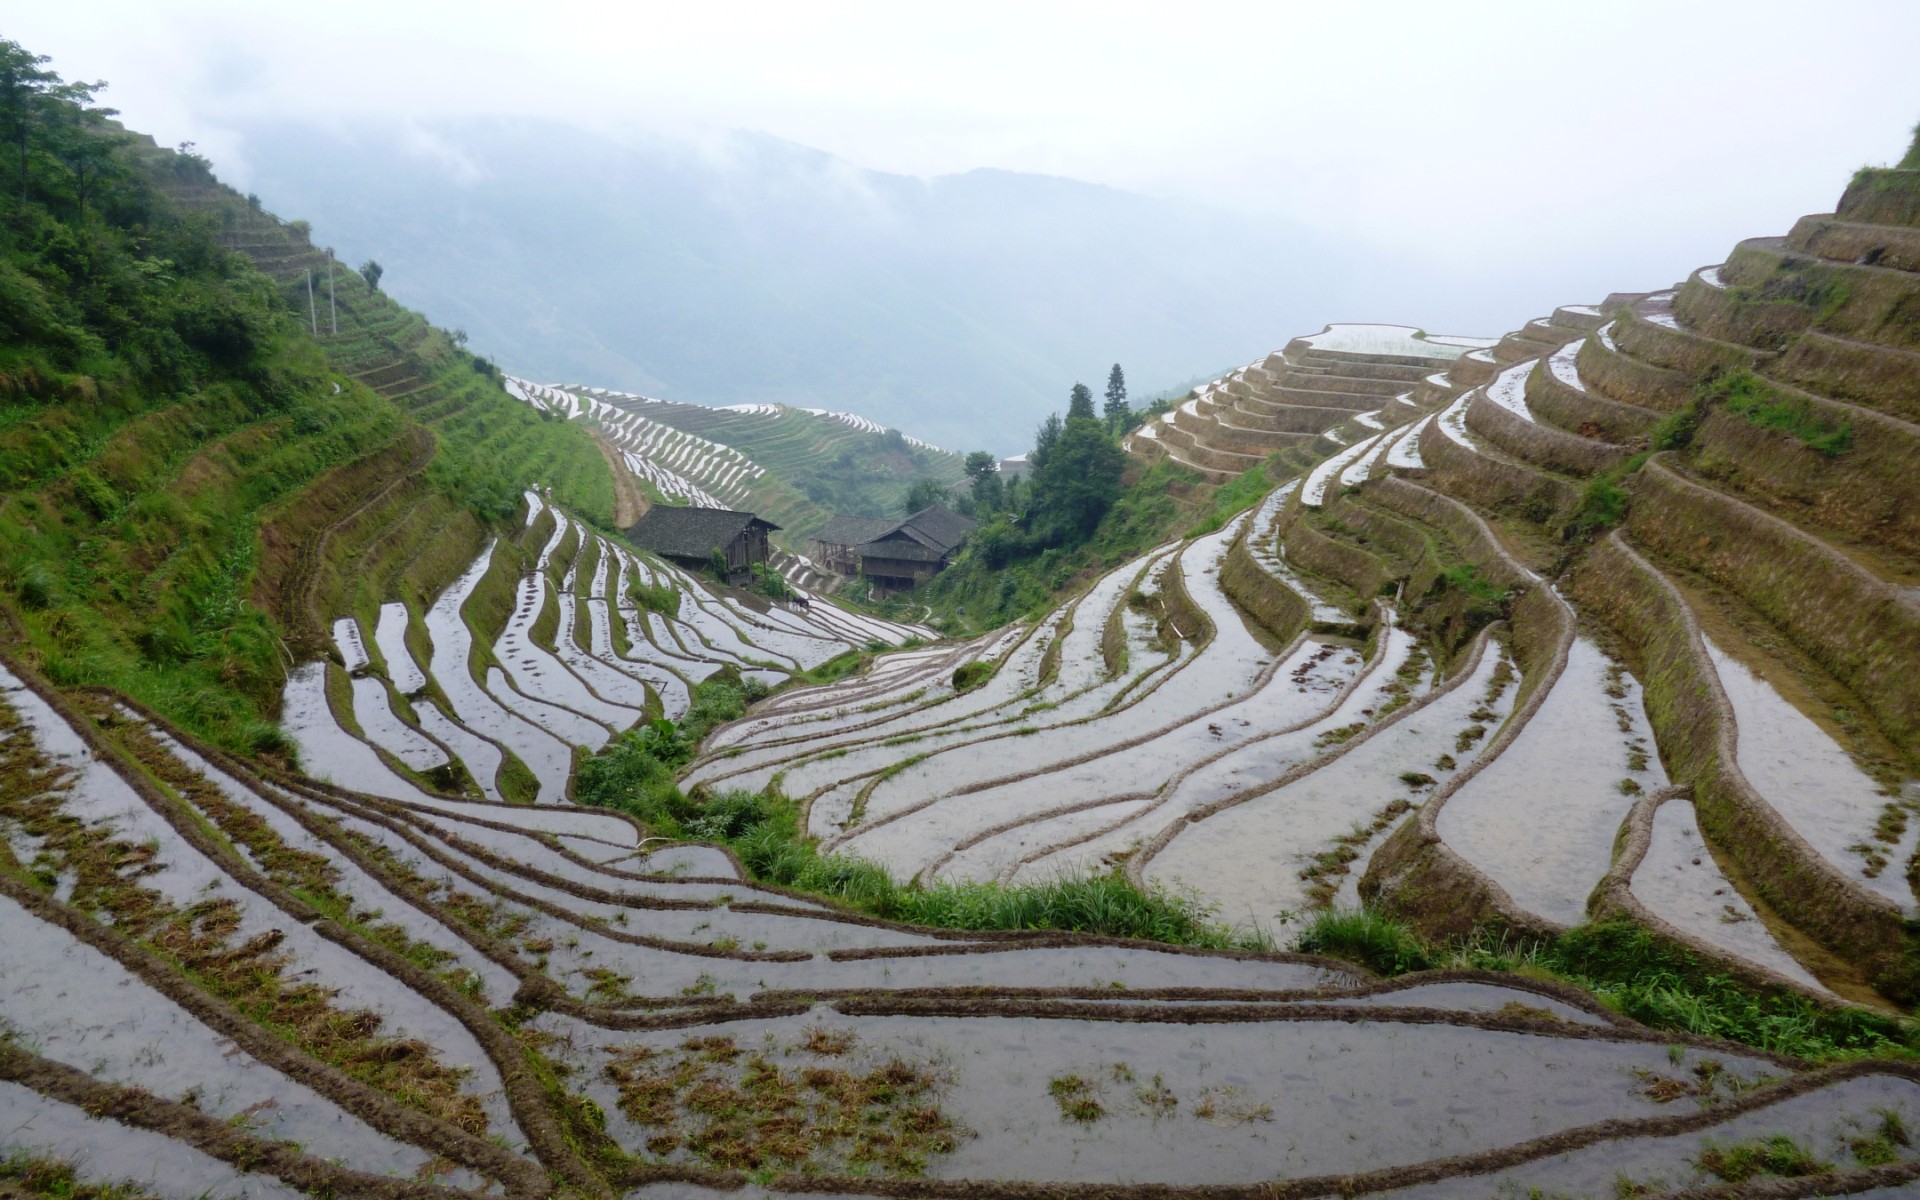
853	531
939	527
690	532
903	549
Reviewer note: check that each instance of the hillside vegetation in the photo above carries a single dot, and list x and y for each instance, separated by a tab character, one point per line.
188	474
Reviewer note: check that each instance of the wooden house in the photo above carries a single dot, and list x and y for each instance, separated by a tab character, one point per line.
689	537
896	554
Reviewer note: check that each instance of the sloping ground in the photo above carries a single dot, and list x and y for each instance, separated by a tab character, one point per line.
1615	616
538	651
219	978
407	517
795	466
1337	388
1615	620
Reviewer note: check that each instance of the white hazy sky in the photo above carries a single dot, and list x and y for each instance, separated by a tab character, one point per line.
1579	148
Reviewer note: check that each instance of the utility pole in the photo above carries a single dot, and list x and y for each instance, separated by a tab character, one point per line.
333	311
313	316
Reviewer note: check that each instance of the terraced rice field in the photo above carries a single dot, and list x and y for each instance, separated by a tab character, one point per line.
1438	673
720	458
1611	617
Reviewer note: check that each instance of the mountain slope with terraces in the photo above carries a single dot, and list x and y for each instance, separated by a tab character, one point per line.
795	466
1604	619
1612	617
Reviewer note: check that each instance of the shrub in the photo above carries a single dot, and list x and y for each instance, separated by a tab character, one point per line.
1778	1156
971	675
37	586
656	597
1374	940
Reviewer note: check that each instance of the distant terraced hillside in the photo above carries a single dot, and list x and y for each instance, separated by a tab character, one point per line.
796	466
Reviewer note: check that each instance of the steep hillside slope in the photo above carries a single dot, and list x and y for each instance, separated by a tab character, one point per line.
190	478
413	968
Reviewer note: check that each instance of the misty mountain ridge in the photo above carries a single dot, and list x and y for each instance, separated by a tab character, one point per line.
747	269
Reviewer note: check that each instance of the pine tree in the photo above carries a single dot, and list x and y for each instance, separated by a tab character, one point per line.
1045	438
1081	404
1116	410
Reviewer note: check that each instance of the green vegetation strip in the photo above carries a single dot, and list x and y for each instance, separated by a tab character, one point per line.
1634	973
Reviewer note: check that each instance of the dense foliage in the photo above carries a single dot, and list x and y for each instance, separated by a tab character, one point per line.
163	403
127	337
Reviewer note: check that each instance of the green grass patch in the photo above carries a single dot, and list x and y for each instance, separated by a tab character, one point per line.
968	676
1236	496
1467	578
1762	405
1627	968
839	667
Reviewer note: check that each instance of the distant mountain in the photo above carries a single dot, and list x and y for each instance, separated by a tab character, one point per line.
754	270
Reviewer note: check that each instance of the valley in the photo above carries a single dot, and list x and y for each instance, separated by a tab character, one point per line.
1454	766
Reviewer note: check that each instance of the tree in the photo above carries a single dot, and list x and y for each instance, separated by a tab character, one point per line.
1080	481
371	271
1044	439
23	80
986	492
1116	410
925	493
1080	404
87	146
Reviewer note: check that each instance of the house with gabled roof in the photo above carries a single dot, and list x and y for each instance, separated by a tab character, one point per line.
690	537
894	553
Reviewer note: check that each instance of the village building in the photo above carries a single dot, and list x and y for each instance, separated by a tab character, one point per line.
690	537
896	553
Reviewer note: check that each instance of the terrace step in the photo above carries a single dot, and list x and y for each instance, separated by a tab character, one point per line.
1856	624
1876	377
1613	374
1836	240
1882	196
1463	466
1556	393
1823	893
1860	484
1773	293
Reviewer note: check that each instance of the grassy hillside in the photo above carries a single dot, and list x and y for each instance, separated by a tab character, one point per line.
191	481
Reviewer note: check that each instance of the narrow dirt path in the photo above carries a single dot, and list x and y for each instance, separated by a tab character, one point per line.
629	502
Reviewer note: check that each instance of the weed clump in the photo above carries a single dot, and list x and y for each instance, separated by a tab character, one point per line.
1075	1096
714	1103
1777	1157
656	597
1375	941
969	676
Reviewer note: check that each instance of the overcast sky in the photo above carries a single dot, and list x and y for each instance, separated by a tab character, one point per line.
1546	148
